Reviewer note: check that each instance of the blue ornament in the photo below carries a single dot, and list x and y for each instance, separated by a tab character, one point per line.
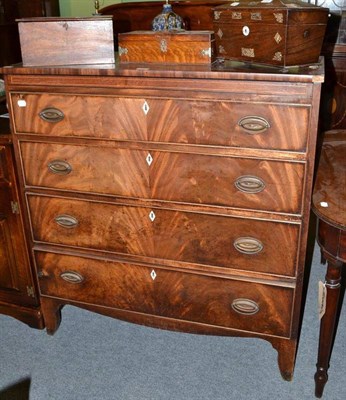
168	20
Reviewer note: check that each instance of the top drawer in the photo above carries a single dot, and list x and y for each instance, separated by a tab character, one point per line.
205	122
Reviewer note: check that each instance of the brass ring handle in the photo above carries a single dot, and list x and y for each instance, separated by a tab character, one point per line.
51	115
248	245
59	167
66	221
253	124
245	306
249	184
72	277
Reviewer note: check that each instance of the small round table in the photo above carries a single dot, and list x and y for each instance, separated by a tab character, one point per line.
329	205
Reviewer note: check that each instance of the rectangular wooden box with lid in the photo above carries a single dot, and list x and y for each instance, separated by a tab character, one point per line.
276	32
66	41
182	47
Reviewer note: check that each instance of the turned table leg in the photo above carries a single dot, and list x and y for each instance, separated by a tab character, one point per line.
328	328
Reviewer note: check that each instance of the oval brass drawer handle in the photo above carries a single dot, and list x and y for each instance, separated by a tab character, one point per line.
248	245
66	221
245	306
59	167
249	184
253	124
72	277
51	115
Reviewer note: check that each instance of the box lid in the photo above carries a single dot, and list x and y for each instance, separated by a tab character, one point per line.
183	36
259	11
65	19
270	4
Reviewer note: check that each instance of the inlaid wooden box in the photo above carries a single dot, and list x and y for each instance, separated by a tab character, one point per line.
183	47
64	41
281	33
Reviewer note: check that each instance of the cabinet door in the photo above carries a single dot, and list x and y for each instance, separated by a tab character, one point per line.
38	8
16	282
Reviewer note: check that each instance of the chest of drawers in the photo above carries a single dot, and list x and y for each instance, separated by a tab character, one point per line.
174	198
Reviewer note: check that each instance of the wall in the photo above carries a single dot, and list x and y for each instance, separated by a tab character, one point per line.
81	8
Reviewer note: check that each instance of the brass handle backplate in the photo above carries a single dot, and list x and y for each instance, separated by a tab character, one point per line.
66	221
249	184
253	124
248	245
245	306
51	115
72	277
59	167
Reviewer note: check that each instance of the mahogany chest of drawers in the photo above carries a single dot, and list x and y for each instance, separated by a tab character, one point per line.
176	198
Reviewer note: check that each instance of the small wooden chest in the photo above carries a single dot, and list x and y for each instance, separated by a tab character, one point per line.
281	33
183	47
64	41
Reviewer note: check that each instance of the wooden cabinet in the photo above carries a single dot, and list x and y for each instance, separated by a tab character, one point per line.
18	295
10	10
177	198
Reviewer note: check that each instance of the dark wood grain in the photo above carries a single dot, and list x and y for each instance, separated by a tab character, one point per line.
94	169
181	47
61	41
11	10
212	180
172	235
248	75
172	294
83	116
329	205
18	294
38	8
276	33
208	240
174	121
329	198
217	123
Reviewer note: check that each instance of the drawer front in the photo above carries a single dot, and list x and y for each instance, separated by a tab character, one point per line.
162	120
172	235
81	116
103	170
230	303
221	123
226	181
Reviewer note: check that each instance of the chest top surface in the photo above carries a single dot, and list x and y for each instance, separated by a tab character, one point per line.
329	198
227	70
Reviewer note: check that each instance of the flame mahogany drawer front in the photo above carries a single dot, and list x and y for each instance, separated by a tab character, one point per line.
244	183
222	123
167	234
210	300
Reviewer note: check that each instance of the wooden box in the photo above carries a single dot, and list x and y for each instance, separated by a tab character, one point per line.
183	47
64	41
281	33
